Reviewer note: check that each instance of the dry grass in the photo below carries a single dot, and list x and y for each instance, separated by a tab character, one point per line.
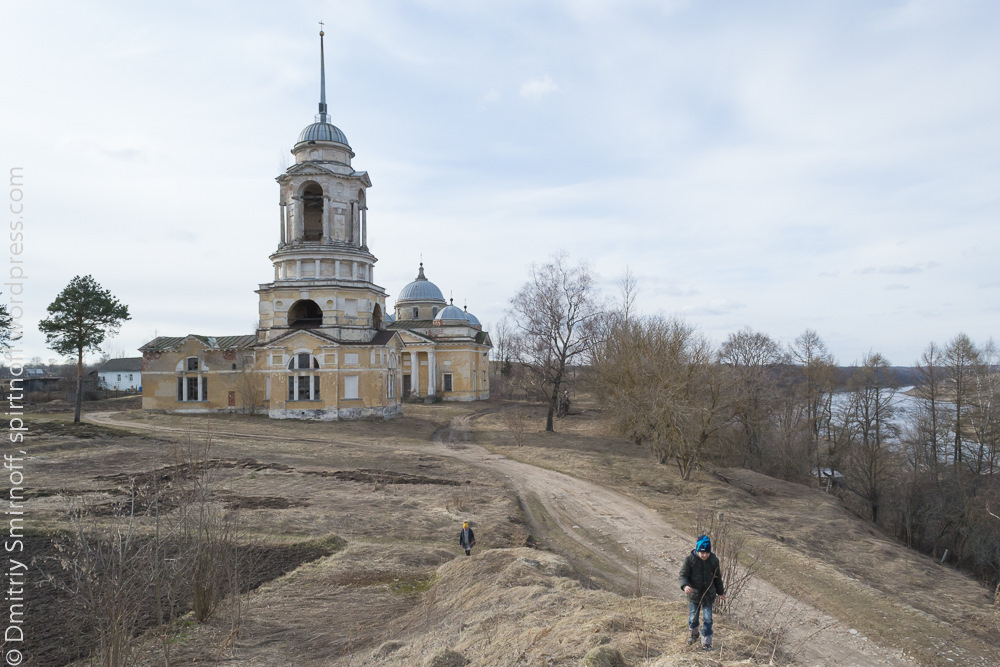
402	591
817	551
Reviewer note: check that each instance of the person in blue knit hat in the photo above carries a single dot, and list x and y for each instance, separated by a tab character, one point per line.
701	581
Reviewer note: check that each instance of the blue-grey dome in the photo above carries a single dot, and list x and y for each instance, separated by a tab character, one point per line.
389	318
323	132
420	289
473	320
451	313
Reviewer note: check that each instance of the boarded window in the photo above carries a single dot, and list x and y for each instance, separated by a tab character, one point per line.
350	359
351	387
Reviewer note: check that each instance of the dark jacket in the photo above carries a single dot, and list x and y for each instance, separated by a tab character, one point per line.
704	576
466	538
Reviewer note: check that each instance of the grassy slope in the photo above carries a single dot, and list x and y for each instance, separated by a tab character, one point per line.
818	551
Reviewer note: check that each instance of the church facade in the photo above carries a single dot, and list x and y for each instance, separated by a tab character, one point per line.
325	347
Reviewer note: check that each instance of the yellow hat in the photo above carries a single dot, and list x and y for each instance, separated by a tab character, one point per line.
465	524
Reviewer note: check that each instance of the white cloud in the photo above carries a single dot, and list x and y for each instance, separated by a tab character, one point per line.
536	89
778	167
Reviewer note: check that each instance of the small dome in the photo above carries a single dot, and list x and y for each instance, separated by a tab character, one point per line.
473	320
451	313
420	289
323	132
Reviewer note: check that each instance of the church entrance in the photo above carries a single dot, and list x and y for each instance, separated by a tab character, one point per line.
406	386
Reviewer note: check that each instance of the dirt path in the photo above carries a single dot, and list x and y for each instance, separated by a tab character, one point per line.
625	544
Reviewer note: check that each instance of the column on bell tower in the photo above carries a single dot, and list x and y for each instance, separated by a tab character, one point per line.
326	218
281	211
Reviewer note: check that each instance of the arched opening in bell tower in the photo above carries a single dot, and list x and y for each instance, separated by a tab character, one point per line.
312	218
377	317
305	314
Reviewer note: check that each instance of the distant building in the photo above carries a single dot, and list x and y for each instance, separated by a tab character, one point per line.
31	381
325	348
121	374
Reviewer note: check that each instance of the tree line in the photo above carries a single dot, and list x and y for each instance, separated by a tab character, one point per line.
931	476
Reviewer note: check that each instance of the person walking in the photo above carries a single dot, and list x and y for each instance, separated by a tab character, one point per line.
701	581
467	538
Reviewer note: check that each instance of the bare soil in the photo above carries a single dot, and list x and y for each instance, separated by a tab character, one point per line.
612	524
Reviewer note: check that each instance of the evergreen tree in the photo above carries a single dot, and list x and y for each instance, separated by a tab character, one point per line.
79	320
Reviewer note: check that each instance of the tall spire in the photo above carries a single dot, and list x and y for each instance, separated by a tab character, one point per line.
323	116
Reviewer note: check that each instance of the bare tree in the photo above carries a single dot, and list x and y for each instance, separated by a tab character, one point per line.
628	288
930	430
809	352
556	311
753	358
959	357
661	382
872	409
502	358
984	416
250	386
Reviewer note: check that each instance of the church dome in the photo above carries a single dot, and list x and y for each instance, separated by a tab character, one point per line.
420	289
323	132
473	320
451	313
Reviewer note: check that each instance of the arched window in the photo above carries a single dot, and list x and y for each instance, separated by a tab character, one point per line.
312	211
303	382
305	314
377	317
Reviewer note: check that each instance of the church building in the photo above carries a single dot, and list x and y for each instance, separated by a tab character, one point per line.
325	347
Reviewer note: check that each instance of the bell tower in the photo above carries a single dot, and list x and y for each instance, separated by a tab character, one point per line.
323	270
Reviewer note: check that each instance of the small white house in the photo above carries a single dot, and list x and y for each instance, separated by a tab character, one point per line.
121	374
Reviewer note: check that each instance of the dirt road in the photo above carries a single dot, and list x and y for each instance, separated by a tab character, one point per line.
619	540
626	545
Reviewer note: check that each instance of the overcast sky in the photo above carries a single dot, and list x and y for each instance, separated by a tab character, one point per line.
773	165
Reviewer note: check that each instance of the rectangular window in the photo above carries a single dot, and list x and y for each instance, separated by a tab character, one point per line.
204	388
416	313
447	381
291	387
315	383
192	364
119	377
192	389
351	387
180	389
303	359
129	377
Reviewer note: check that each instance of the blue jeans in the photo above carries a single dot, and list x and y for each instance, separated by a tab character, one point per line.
706	613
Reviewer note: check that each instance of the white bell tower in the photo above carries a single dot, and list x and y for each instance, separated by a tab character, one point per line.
323	270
